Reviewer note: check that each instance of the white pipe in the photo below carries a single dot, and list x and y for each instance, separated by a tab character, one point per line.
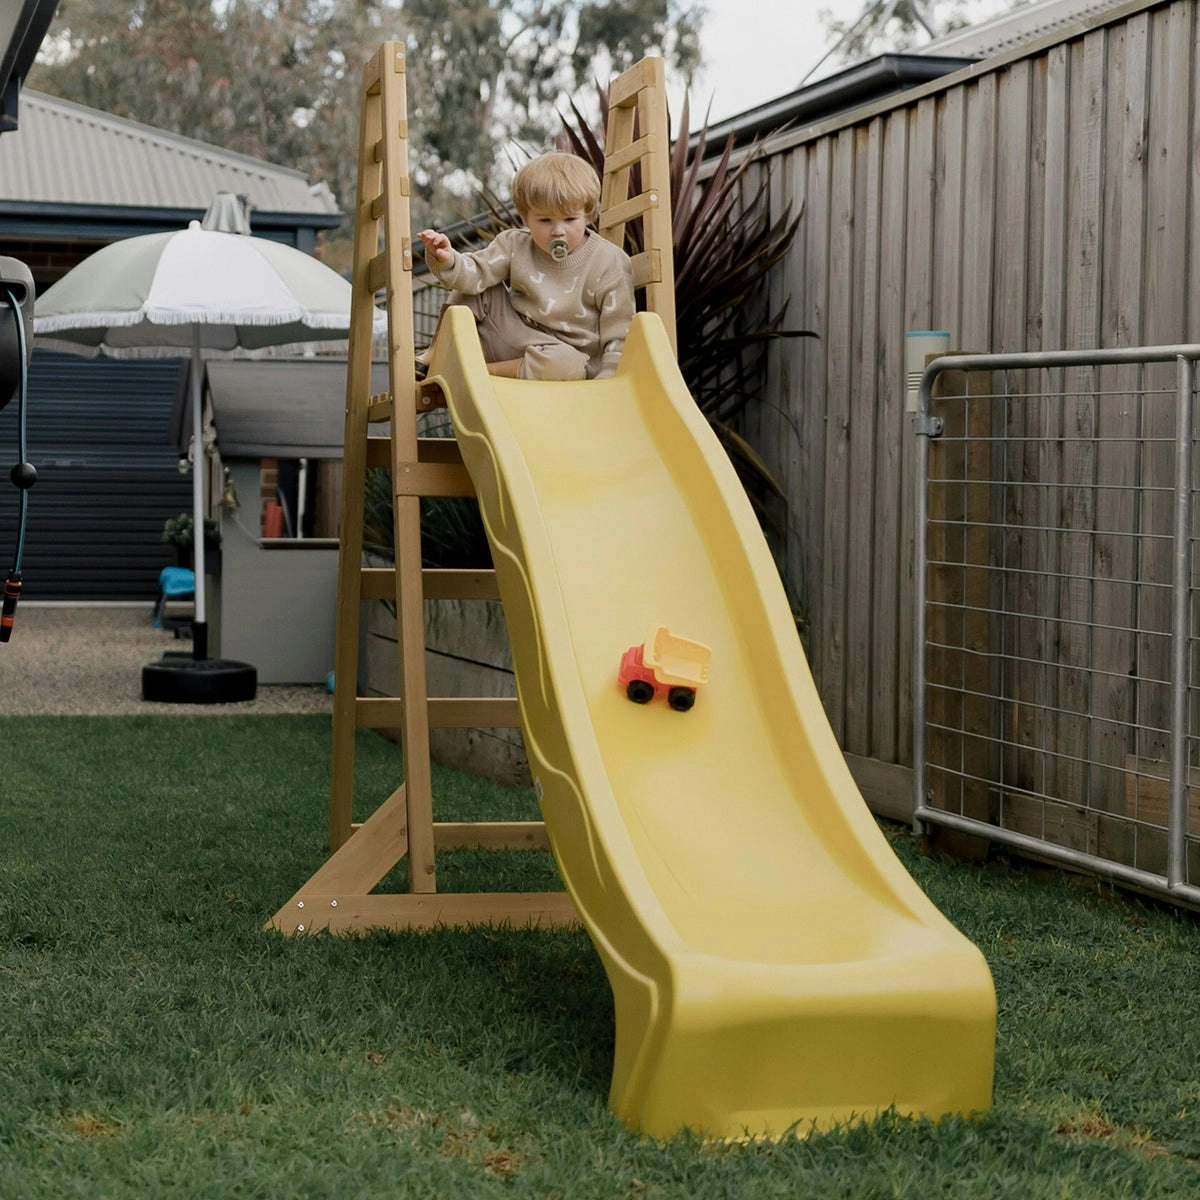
199	624
301	494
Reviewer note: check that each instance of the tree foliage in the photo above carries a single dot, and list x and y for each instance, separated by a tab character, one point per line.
279	79
886	25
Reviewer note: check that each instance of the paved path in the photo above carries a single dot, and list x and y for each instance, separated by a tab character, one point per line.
87	661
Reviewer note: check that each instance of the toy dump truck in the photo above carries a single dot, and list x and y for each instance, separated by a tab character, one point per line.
664	664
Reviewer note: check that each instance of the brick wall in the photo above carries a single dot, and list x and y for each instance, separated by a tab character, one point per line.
49	261
268	481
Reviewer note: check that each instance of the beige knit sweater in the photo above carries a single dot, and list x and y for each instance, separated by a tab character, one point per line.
586	300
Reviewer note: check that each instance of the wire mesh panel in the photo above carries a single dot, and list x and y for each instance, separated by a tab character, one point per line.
1057	699
428	301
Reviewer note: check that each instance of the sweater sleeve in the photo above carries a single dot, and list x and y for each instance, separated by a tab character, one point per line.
473	273
615	297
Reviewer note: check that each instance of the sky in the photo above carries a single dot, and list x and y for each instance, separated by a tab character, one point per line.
759	50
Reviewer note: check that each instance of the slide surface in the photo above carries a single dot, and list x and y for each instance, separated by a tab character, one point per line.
774	967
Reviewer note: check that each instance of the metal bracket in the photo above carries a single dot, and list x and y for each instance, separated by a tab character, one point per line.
925	425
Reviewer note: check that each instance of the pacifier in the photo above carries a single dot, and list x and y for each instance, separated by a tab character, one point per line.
559	248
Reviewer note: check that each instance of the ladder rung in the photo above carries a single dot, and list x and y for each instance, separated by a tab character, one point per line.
445	712
634	152
430	451
379	408
438	450
377	272
379	450
635	206
647	267
624	91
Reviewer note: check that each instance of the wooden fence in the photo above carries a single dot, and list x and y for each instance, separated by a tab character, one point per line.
1044	199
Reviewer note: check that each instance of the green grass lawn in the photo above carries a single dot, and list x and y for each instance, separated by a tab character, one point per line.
155	1042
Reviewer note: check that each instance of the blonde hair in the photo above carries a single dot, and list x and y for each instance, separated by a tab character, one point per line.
557	183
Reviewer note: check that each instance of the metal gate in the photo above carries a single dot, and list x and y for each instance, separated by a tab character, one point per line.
1057	676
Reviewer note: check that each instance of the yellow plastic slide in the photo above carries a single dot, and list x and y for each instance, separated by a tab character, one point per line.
773	965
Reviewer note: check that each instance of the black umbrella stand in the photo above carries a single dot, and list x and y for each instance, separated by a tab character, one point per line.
182	680
178	679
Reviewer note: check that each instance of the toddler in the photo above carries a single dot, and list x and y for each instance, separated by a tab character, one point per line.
552	300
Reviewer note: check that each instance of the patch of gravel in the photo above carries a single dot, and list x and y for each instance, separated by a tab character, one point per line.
87	661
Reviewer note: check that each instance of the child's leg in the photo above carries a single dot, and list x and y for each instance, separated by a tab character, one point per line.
479	309
500	329
504	337
553	360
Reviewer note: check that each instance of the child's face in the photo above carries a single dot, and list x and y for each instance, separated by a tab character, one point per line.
548	227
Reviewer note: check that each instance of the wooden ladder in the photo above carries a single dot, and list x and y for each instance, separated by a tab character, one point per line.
638	135
339	896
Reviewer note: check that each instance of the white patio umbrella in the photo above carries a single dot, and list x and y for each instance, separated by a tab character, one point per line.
194	293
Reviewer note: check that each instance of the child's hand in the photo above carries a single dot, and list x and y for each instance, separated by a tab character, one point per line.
437	243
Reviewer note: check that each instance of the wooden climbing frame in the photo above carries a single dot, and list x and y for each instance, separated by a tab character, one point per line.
339	897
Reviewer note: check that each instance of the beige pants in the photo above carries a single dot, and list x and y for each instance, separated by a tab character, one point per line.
505	336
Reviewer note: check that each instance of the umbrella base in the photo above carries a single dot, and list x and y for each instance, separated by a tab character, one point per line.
179	680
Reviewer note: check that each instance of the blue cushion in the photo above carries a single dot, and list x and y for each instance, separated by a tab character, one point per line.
177	581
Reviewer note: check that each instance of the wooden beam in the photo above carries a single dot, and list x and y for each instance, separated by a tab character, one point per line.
371	851
439	583
490	835
315	912
443	712
446	583
431	479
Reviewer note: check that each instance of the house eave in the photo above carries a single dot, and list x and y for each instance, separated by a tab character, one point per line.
857	85
22	219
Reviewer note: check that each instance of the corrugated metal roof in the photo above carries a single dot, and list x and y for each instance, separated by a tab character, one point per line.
66	153
1017	27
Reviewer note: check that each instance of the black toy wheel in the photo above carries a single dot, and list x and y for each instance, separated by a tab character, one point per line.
639	691
681	698
199	681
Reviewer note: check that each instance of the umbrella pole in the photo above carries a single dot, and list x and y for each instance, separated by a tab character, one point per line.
199	679
199	622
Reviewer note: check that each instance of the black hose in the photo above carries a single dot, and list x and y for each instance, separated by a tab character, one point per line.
23	475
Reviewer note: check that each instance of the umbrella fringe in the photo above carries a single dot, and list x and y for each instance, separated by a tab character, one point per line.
210	317
335	346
